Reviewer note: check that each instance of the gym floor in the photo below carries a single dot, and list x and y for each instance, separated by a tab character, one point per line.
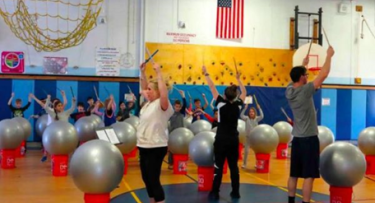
32	182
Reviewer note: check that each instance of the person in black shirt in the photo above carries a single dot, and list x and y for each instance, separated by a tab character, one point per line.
226	139
80	112
123	113
18	110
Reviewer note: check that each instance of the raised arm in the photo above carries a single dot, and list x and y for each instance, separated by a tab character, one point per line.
65	101
182	93
37	100
164	101
72	107
109	105
11	99
143	76
48	109
210	83
261	115
212	104
243	117
205	101
323	74
242	87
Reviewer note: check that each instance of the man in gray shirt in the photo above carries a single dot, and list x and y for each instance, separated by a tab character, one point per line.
305	144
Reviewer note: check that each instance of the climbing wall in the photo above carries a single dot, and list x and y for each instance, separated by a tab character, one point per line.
182	64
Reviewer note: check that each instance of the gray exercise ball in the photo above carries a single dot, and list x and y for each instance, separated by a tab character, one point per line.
366	141
263	139
284	130
127	135
97	167
342	164
98	123
26	126
200	126
60	138
188	121
201	149
86	127
10	136
134	121
325	137
179	140
41	124
241	128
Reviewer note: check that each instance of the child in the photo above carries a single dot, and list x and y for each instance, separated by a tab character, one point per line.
109	113
18	110
177	121
252	121
197	114
80	112
57	114
123	112
133	106
226	139
213	120
93	107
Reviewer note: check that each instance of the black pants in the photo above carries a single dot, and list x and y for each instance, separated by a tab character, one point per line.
226	150
151	160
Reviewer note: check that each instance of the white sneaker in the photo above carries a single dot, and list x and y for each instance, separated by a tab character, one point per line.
243	166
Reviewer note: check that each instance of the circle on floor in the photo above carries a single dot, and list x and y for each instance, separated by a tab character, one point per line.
188	192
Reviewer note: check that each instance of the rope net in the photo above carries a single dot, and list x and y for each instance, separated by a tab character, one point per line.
51	25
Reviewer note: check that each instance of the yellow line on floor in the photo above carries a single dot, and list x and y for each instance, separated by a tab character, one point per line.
270	183
131	192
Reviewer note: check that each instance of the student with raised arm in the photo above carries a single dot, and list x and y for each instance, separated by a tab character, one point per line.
226	139
152	132
305	145
251	121
18	110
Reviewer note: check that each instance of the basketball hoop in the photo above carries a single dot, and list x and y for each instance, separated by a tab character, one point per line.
314	70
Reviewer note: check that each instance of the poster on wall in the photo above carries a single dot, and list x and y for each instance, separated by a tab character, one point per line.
107	61
12	62
55	65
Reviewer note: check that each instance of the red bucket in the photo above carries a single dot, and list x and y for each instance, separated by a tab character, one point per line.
205	178
59	165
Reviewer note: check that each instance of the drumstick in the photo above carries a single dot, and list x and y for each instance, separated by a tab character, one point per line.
96	93
44	92
308	52
235	65
255	98
130	90
150	56
325	34
71	90
106	90
286	115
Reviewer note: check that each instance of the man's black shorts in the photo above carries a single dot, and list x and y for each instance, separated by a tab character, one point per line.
305	157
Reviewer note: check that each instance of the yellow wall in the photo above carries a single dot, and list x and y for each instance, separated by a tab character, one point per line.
181	64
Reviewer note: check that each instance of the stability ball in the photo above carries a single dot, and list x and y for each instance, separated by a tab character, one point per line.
200	126
201	149
284	130
133	120
10	136
366	141
179	140
97	121
97	167
85	127
127	135
241	128
188	121
41	124
342	164
263	139
60	138
25	125
325	137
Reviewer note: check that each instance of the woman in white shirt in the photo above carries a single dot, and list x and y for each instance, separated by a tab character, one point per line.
152	132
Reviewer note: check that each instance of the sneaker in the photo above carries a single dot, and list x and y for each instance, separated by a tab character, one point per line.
213	196
235	195
243	166
44	158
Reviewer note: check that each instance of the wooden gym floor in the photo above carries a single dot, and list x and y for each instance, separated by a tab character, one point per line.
32	182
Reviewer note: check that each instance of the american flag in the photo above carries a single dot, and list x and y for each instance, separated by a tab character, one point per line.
229	19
